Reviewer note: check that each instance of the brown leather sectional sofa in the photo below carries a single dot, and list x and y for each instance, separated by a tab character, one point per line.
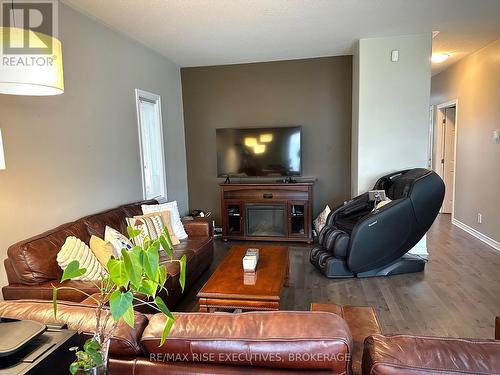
32	268
328	340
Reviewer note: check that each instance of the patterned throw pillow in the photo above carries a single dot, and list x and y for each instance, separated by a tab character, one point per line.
118	240
150	226
175	218
76	249
165	218
320	221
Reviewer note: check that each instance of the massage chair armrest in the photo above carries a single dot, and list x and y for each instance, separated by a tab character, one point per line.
408	355
350	207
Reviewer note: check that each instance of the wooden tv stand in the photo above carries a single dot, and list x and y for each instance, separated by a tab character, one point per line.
267	211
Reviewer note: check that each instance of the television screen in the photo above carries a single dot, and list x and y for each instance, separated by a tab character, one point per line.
264	152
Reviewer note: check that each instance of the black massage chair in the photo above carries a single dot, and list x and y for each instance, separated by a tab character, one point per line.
361	241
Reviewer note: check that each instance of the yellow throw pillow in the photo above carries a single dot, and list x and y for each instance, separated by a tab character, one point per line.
101	249
167	223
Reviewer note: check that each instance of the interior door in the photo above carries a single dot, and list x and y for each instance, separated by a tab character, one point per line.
448	159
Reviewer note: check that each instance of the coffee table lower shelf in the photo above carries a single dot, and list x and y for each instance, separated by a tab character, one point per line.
236	305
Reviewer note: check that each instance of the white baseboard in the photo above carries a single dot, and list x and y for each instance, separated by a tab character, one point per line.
473	232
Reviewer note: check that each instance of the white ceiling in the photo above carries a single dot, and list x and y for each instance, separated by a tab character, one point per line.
213	32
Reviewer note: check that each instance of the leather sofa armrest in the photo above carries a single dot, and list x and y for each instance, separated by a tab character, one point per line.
409	355
78	317
298	340
198	227
497	328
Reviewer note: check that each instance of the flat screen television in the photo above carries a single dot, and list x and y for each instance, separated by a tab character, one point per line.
259	152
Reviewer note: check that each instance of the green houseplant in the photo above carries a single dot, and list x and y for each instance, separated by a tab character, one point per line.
132	280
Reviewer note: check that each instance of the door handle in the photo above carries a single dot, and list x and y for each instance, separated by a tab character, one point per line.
267	195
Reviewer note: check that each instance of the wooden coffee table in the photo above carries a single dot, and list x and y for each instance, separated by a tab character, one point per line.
230	289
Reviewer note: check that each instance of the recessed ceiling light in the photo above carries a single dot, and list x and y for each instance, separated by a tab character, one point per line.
439	57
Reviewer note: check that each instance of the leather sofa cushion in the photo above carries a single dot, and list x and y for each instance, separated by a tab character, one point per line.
362	322
34	260
284	339
44	291
410	355
78	317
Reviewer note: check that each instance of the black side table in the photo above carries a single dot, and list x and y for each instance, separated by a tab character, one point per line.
46	354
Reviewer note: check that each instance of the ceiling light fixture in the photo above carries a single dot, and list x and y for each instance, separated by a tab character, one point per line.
439	57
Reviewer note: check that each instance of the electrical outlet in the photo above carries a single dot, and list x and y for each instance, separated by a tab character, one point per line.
479	218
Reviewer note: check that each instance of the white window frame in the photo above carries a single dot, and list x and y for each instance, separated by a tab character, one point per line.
156	99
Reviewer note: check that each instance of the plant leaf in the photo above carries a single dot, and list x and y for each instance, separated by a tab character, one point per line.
166	330
119	302
91	344
129	316
117	272
133	233
163	308
132	261
72	270
163	274
54	300
151	262
73	368
182	276
95	356
148	287
166	244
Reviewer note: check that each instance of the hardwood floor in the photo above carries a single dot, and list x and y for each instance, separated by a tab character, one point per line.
458	294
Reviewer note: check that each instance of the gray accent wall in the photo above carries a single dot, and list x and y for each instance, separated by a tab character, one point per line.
314	93
78	153
475	82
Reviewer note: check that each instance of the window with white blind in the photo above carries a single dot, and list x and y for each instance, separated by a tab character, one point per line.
151	144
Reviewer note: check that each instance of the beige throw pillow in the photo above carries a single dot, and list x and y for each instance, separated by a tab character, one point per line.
175	219
320	221
103	250
75	249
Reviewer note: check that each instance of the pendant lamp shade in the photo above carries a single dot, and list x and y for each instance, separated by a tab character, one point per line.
38	74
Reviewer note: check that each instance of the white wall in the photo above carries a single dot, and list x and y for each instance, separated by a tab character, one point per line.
391	119
78	153
390	110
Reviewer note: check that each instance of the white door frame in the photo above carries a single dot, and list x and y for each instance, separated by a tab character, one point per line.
450	103
156	99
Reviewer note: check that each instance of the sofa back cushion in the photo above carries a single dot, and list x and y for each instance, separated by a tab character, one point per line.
284	339
115	218
34	260
125	341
